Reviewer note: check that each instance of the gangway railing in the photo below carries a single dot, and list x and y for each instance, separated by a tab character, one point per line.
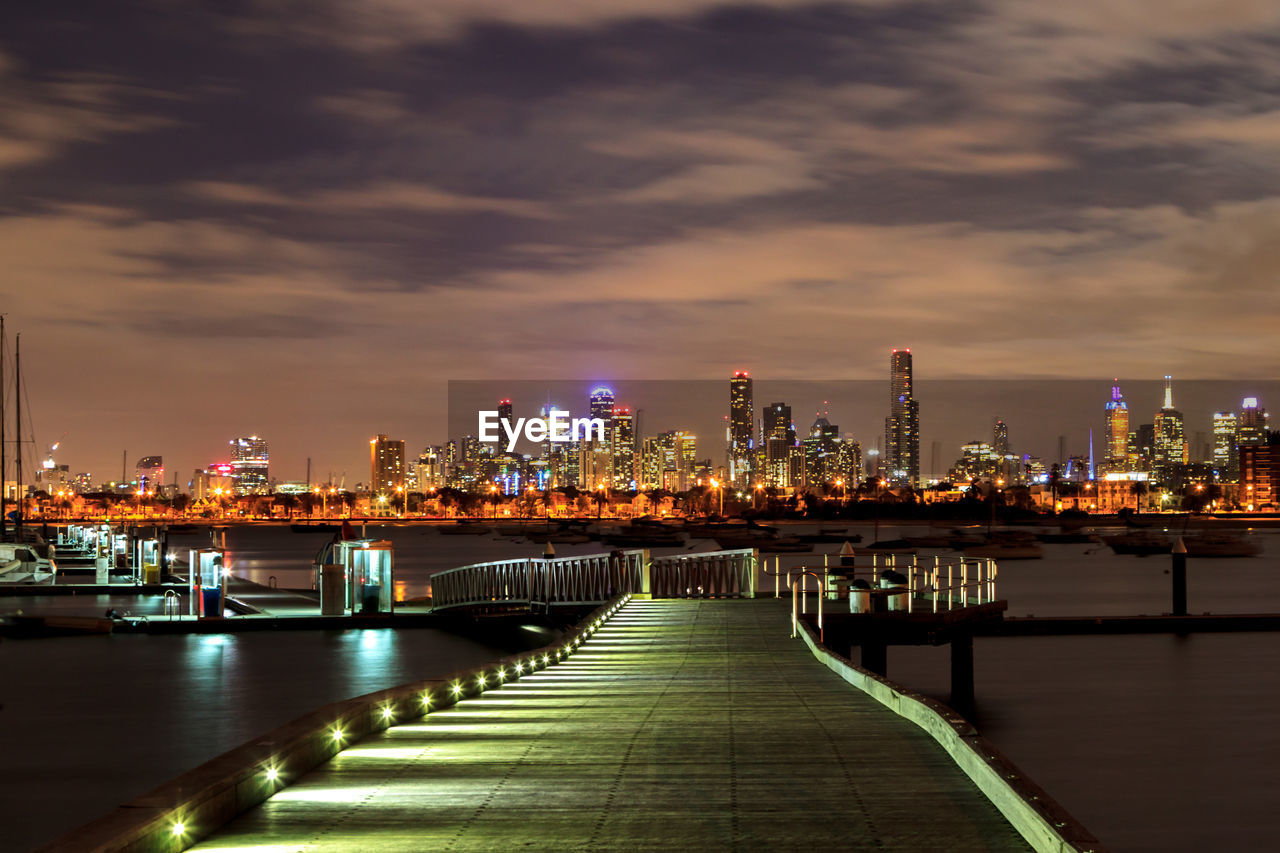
593	578
719	574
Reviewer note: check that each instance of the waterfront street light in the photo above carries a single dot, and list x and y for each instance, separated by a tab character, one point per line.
755	498
404	507
715	484
493	498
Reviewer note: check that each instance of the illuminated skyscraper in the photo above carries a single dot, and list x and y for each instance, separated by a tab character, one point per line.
249	465
602	404
431	469
1117	432
1226	447
677	451
822	454
741	421
1000	438
1254	422
779	437
599	469
902	427
150	472
1169	450
386	465
504	412
624	449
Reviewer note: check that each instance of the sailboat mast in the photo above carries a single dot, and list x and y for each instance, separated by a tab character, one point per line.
4	523
17	398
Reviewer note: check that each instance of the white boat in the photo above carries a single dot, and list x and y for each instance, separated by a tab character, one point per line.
24	562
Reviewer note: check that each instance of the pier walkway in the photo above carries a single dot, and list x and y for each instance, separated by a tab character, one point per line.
679	725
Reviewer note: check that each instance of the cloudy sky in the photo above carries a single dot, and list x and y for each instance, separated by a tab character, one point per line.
301	219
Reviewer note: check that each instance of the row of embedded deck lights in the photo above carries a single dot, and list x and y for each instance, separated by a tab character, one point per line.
457	691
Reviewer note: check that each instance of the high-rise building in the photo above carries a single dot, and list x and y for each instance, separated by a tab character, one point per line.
902	427
1000	438
1260	473
601	404
849	463
651	462
822	454
1117	451
1226	447
1169	449
978	461
677	451
741	432
778	438
150	472
386	465
624	449
431	468
1254	422
250	460
504	412
213	483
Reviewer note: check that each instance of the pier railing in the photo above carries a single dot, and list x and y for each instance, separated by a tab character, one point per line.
711	573
593	578
913	584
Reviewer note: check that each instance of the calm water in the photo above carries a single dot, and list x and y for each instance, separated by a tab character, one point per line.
88	723
1156	743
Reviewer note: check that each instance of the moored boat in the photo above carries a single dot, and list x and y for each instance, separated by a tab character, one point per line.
831	535
1141	543
464	527
1220	544
1006	551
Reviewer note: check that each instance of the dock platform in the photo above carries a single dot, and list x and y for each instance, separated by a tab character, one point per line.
680	725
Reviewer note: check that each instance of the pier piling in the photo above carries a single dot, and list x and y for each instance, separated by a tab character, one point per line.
1179	578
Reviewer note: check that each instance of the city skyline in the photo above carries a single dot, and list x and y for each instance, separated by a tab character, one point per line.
221	222
1035	413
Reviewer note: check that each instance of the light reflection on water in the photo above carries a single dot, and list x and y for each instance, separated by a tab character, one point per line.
90	722
1156	743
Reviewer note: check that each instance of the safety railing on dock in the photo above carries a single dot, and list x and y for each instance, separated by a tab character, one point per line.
592	578
711	573
538	580
912	583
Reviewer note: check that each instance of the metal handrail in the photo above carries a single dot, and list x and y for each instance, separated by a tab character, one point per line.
798	607
944	584
593	578
171	595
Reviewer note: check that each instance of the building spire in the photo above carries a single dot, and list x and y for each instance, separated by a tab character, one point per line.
1168	392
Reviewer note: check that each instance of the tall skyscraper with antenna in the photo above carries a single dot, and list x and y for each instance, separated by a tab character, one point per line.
1169	451
1117	449
902	427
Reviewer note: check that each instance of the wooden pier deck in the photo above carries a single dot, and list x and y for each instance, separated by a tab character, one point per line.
680	725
